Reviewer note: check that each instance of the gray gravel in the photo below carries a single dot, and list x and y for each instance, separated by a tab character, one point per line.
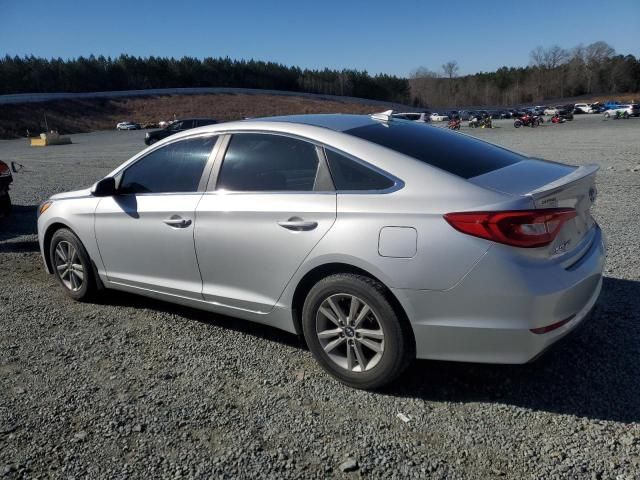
135	388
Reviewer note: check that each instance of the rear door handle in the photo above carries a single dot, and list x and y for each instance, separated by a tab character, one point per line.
177	222
298	225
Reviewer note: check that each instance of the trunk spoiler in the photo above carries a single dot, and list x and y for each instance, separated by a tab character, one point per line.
562	182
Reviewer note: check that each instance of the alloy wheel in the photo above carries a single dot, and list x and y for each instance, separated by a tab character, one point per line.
349	332
69	266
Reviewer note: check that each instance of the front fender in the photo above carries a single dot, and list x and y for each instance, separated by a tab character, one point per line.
77	215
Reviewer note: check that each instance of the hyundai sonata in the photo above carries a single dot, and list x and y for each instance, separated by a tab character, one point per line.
379	240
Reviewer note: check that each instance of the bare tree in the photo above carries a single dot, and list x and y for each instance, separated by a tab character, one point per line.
598	52
555	56
450	69
595	54
536	56
553	73
424	85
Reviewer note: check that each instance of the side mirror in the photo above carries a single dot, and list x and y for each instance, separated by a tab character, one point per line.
104	188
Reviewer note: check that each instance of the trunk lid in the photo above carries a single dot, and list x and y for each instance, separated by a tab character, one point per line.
552	185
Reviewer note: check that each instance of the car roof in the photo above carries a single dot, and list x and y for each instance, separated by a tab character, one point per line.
338	122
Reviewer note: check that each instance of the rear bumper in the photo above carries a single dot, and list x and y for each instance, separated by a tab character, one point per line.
489	315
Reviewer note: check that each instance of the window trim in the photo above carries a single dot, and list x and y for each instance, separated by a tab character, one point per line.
208	166
323	167
397	183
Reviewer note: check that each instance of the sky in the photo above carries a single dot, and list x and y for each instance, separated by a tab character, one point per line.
391	36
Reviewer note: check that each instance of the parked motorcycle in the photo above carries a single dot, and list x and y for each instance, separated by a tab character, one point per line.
558	119
454	124
484	122
527	120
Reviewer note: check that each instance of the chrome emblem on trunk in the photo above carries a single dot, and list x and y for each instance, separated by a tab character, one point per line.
562	247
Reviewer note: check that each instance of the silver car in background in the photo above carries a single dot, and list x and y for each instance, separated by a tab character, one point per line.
380	240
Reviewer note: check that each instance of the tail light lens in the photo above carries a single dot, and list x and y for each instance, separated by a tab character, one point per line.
519	228
4	169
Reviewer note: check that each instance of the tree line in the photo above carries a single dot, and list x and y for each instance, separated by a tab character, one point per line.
552	73
94	74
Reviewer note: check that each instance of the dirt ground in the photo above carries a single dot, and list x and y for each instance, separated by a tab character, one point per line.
78	116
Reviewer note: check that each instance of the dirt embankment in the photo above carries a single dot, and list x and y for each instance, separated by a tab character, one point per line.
75	116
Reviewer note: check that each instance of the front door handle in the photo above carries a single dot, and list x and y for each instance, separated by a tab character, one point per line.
298	225
176	221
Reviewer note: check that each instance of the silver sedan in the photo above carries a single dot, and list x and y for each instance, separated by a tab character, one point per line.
379	240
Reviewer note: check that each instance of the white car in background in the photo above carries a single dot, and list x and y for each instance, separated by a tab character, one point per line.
551	110
627	110
420	117
127	126
583	107
436	117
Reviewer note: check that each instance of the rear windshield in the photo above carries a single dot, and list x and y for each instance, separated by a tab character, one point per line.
458	154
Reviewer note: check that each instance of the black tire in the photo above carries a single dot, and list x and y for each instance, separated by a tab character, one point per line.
5	205
399	345
88	288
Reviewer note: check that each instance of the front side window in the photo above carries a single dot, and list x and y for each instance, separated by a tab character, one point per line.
349	174
263	162
174	168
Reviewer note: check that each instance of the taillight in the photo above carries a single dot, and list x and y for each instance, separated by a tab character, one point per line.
4	169
519	228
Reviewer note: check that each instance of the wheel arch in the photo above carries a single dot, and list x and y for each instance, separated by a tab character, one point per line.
46	246
319	272
46	243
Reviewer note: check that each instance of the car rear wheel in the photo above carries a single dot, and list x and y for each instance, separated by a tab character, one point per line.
354	332
71	265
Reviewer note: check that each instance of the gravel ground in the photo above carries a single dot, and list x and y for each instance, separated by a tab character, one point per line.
131	387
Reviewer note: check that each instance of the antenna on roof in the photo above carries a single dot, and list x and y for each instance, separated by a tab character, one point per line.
385	116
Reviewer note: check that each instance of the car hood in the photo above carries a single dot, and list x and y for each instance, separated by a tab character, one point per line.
86	192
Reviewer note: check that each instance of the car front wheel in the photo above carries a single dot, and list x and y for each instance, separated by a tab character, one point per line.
71	265
354	332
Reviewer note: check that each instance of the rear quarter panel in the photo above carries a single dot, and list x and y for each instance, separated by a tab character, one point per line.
443	255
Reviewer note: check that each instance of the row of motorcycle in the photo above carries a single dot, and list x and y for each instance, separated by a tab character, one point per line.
478	121
484	121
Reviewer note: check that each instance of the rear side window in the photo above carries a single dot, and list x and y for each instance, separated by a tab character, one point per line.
349	174
174	168
263	162
458	154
